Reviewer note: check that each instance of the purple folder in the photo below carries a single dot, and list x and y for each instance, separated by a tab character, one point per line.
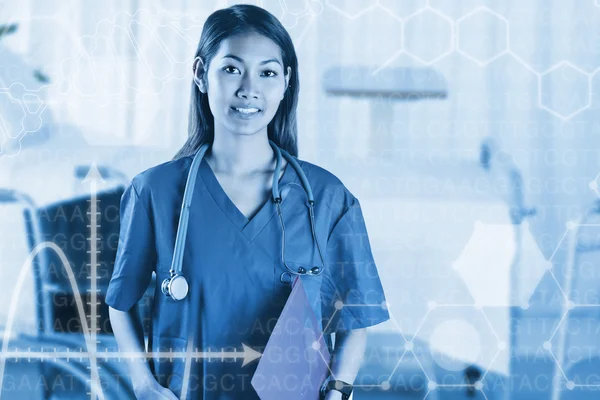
296	360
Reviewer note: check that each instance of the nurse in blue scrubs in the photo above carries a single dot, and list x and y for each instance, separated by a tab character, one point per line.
244	97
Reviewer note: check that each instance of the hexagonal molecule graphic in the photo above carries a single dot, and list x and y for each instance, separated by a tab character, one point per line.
289	12
455	9
457	344
459	336
488	266
122	65
301	7
565	90
593	185
20	114
435	32
23	92
402	9
352	9
482	35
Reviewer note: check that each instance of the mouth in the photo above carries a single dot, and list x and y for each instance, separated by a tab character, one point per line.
246	111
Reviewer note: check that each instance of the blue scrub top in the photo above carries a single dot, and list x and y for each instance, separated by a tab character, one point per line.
233	266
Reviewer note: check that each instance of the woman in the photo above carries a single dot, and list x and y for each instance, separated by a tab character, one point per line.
244	97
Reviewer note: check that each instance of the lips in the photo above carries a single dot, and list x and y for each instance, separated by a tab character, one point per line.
246	113
248	107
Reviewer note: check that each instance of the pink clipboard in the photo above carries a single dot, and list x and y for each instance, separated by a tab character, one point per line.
295	361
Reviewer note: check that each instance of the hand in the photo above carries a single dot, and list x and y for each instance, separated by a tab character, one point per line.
153	390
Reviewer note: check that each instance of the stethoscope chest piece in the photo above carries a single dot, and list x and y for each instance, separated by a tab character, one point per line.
175	287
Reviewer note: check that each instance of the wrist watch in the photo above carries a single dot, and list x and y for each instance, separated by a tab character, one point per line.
344	388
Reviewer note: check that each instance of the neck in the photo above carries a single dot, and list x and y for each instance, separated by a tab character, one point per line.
241	154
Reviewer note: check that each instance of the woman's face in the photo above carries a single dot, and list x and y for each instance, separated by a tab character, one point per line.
246	74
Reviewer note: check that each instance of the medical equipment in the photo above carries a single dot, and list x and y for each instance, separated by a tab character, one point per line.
176	286
431	195
576	248
382	88
426	212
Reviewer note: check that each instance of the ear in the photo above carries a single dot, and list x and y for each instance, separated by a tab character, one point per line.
199	74
288	77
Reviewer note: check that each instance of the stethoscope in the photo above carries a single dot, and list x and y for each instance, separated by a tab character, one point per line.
176	286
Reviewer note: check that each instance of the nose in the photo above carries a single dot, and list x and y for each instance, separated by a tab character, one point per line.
249	87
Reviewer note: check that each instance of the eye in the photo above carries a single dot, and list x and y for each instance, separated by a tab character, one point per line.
228	68
272	72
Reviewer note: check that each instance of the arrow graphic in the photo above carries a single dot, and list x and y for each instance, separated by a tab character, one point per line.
93	177
248	355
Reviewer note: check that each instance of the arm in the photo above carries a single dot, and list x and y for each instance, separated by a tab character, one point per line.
128	331
347	357
351	276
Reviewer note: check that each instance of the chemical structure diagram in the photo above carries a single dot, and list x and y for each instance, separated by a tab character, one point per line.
458	30
291	13
112	51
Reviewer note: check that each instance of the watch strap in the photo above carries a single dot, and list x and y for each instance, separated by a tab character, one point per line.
344	388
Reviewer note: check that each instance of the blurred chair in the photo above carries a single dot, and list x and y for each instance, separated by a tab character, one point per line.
67	225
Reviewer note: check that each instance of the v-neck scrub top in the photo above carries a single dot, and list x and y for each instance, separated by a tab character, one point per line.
233	267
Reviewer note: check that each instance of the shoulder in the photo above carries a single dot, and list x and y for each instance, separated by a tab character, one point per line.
319	174
163	178
328	189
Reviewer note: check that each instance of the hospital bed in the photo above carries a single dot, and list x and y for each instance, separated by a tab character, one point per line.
429	214
428	219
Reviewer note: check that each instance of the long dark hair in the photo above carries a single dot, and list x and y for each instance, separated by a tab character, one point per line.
238	19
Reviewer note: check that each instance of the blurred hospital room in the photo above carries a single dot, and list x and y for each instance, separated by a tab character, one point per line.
468	129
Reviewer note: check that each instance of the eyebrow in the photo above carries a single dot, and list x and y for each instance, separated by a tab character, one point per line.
261	63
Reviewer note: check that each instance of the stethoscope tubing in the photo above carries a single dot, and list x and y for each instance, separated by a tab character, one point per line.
176	270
